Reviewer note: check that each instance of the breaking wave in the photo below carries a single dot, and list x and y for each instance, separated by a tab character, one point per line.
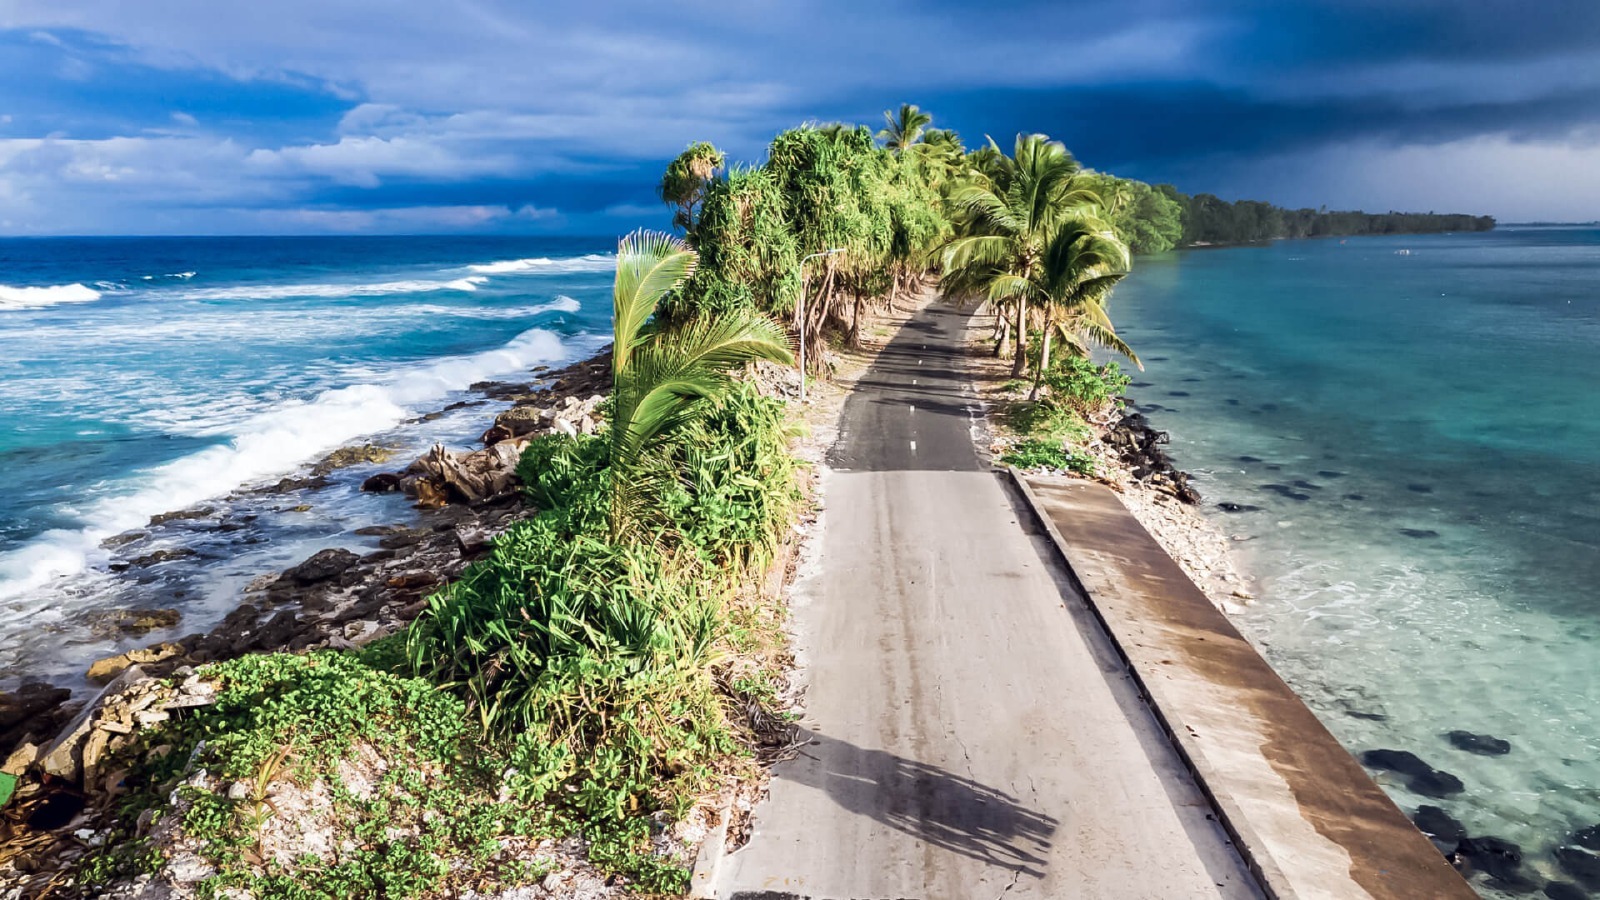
592	262
39	297
265	445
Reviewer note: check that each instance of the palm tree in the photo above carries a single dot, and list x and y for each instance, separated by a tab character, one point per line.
1082	262
1009	215
666	379
904	128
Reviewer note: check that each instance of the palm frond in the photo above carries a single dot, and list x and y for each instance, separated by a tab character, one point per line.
649	264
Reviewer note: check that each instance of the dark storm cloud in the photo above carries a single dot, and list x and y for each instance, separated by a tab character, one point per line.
498	112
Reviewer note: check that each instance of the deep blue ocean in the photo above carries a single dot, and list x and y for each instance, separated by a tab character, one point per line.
1418	420
140	376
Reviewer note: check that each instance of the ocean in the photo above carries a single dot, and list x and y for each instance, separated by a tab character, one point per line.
142	376
1412	424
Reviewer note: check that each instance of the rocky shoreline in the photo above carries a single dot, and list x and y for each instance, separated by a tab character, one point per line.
337	598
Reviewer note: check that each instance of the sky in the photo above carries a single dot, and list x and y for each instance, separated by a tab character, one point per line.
422	116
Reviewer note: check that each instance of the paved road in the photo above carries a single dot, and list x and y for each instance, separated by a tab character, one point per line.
973	736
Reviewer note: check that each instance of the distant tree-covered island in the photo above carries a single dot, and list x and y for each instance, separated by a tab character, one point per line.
1155	218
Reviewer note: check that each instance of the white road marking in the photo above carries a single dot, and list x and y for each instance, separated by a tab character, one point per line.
912	407
913	446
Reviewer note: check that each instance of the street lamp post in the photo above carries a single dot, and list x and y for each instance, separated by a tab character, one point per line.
802	314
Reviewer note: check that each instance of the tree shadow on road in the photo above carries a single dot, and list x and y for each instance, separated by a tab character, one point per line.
926	802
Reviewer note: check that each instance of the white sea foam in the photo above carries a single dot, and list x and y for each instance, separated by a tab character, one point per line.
592	262
286	291
182	276
268	444
38	297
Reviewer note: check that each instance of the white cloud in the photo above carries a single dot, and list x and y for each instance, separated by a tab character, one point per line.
183	118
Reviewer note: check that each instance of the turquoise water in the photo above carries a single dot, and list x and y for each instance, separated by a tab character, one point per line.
140	376
1421	432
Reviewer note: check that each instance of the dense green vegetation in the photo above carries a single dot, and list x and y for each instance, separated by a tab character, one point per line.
575	681
1208	219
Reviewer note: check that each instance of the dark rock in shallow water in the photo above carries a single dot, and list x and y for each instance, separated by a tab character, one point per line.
150	559
323	565
1493	856
1421	778
1563	890
1580	864
286	485
1587	837
1419	532
1481	744
1440	825
1436	784
1177	393
1249	459
196	513
1284	490
1356	497
1231	402
1237	507
382	483
1306	485
1419	488
1328	473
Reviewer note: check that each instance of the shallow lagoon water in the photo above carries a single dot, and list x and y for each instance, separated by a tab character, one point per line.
1422	434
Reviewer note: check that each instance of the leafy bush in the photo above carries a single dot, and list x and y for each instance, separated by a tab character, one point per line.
1080	386
1037	454
738	489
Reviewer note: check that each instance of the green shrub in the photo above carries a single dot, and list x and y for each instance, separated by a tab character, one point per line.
1079	386
738	488
1038	454
558	471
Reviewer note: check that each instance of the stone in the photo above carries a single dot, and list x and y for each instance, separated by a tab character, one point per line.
286	485
1481	744
1493	856
22	759
1237	507
321	566
150	559
1421	533
345	457
1587	837
195	513
63	758
1439	825
1581	864
188	868
1419	488
1421	777
1565	890
382	483
30	700
134	622
102	671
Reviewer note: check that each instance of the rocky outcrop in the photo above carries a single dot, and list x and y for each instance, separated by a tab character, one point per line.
323	565
345	457
1137	446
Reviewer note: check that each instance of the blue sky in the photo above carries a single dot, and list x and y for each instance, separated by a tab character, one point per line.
213	116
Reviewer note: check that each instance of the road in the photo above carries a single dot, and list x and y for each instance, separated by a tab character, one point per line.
972	733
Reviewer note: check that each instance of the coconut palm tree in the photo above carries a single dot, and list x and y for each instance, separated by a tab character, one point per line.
665	379
905	127
1007	216
1070	287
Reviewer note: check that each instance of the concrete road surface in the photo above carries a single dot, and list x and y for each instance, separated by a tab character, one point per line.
972	734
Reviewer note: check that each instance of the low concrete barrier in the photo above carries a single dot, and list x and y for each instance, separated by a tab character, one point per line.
1305	816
